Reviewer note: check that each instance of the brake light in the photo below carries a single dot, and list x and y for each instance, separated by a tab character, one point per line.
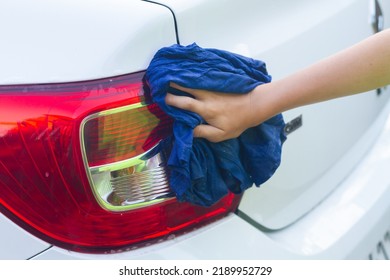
81	166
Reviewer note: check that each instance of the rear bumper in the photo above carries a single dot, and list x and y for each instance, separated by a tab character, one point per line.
348	224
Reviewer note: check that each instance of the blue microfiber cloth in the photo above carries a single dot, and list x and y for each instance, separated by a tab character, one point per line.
202	172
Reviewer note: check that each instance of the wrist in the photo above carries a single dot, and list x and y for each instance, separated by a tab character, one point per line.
263	104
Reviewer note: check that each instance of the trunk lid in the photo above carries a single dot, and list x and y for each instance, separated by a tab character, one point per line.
330	138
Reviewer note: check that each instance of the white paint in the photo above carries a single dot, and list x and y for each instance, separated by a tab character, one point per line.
47	41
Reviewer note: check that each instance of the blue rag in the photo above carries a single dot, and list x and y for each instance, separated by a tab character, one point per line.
202	172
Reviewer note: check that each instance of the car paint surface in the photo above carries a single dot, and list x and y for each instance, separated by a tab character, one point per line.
60	41
64	41
333	208
289	36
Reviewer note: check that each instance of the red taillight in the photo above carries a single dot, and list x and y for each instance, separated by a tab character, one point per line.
80	166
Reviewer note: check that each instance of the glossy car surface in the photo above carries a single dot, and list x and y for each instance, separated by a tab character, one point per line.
71	95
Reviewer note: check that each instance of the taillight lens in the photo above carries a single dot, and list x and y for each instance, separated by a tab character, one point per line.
82	166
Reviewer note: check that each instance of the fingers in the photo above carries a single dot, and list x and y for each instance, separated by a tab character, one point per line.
197	105
184	102
209	132
187	103
197	93
189	90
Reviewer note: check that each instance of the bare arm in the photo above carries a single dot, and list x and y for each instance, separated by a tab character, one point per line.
360	68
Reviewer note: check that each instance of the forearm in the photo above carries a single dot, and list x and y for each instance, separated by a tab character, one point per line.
360	68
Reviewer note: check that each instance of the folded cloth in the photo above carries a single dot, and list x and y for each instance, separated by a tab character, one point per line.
202	172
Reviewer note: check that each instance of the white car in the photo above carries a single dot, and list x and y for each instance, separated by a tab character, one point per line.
79	178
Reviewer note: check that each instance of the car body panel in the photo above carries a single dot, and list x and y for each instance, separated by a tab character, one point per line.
333	208
347	225
16	243
62	41
66	41
289	36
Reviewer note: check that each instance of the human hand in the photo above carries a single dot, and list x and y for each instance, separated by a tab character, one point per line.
227	115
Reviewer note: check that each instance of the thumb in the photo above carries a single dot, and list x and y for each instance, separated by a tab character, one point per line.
209	132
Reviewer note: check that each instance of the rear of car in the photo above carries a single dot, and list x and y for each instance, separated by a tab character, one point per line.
82	175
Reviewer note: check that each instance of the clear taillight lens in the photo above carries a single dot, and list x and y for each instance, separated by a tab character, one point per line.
82	167
126	164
